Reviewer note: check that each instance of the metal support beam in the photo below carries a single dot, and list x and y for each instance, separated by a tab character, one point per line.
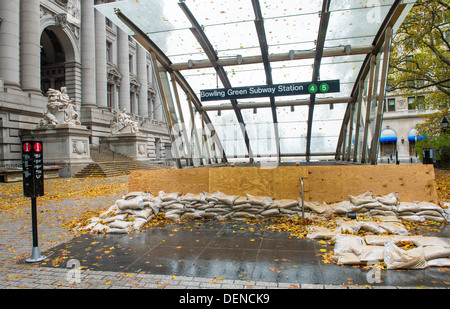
391	18
358	124
251	105
162	58
259	24
323	26
166	109
384	69
186	144
194	129
278	57
370	90
212	56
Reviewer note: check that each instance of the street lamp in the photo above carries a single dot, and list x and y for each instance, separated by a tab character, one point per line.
444	124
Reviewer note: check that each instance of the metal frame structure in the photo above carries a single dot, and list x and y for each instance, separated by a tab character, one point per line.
376	83
159	57
358	139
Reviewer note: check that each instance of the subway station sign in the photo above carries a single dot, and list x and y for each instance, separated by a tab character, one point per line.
326	86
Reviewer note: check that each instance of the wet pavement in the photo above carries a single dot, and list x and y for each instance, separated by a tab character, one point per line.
227	250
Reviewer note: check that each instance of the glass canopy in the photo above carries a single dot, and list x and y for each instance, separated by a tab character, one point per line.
265	42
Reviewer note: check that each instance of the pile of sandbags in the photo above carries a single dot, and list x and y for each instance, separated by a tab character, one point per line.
135	209
129	213
387	205
427	251
177	206
383	225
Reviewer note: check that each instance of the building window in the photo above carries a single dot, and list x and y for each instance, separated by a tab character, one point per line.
411	103
110	96
130	60
391	105
108	51
421	102
108	22
132	102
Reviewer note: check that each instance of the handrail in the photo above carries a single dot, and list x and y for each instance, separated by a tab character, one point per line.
303	200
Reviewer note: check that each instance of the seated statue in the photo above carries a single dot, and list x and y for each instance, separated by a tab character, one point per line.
123	123
60	109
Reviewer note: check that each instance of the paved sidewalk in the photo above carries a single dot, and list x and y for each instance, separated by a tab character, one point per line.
73	200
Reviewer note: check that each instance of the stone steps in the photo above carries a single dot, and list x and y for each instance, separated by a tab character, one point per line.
110	164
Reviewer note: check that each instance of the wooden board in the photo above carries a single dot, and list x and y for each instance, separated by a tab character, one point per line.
193	180
321	183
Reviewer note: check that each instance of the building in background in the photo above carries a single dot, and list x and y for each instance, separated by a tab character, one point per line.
401	115
53	43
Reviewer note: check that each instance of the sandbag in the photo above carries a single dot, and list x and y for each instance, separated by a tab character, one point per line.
369	253
118	224
372	227
377	240
439	263
119	217
258	200
100	228
436	252
390	199
287	203
350	226
134	203
397	258
340	208
165	197
190	197
318	232
394	228
413	218
227	199
244	215
316	207
270	212
177	206
407	206
347	244
139	223
349	258
431	241
173	217
192	215
362	198
429	206
432	213
240	200
144	214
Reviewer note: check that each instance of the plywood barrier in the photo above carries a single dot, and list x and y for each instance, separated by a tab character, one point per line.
321	183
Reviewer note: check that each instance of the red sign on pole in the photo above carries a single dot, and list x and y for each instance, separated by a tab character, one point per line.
37	147
26	147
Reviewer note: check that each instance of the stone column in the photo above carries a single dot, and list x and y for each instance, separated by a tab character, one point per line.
88	96
9	43
142	76
100	60
30	50
123	63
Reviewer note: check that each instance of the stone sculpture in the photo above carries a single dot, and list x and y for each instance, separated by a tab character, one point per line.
60	109
123	123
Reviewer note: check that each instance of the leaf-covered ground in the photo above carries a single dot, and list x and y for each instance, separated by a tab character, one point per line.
68	202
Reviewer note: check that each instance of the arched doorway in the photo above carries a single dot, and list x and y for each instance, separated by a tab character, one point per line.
60	60
53	59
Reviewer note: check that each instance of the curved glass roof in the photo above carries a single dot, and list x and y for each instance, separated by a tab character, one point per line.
296	33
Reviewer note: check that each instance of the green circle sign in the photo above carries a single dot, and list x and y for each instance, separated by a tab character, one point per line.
312	88
324	87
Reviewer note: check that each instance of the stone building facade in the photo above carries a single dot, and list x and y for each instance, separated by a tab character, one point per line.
401	115
53	43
